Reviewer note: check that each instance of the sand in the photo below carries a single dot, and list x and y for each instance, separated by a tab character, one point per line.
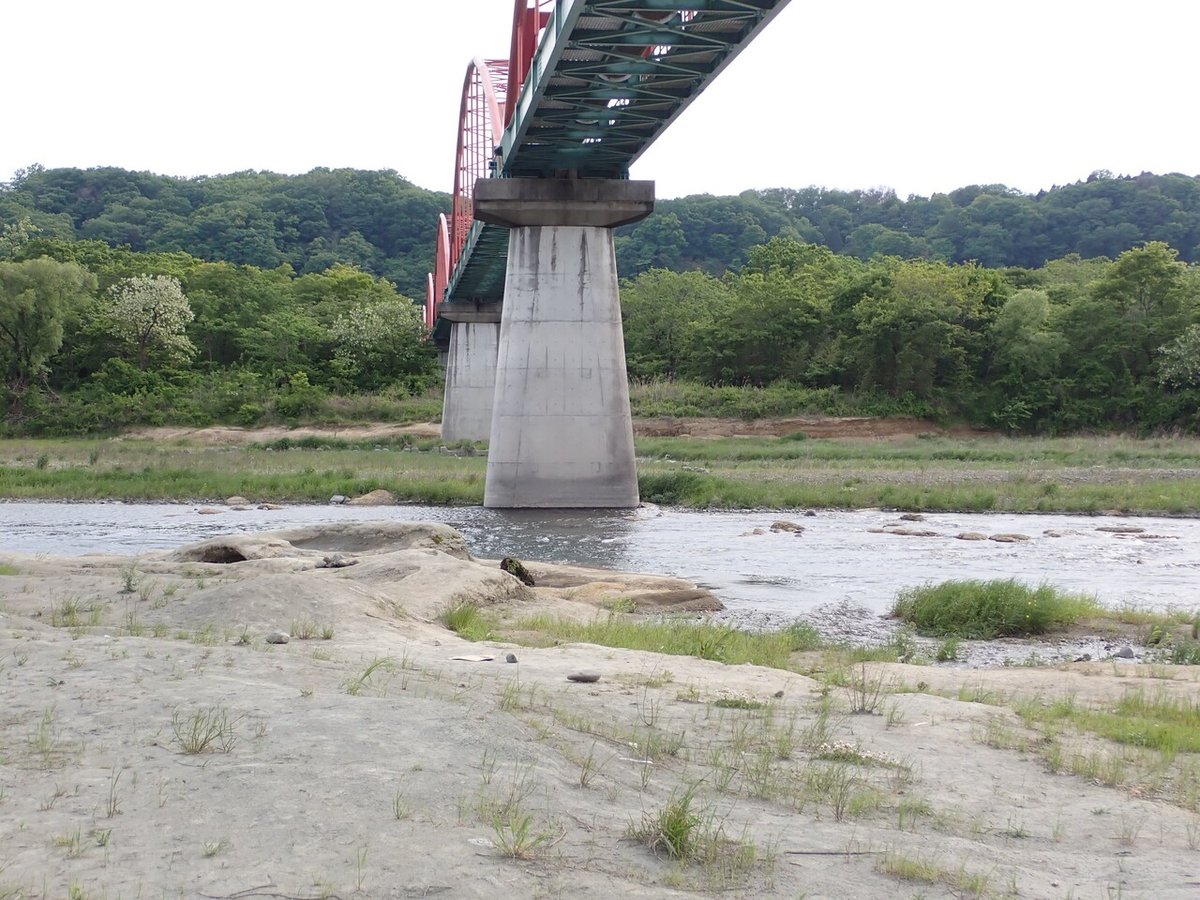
153	744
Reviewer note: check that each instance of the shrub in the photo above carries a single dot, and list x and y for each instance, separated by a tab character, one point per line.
989	609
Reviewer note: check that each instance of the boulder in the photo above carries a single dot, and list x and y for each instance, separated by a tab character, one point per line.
374	498
972	536
1009	538
784	525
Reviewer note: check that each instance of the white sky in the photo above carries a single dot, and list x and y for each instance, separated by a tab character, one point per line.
919	96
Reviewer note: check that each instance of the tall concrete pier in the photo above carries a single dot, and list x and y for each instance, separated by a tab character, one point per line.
561	433
471	378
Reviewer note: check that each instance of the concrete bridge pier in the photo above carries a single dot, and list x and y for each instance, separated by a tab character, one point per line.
561	431
471	376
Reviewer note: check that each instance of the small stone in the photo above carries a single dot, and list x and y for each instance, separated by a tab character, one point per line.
236	500
912	517
584	677
277	637
338	499
1124	653
511	658
778	695
810	514
337	561
1086	657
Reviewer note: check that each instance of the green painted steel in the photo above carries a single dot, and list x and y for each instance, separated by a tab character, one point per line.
607	78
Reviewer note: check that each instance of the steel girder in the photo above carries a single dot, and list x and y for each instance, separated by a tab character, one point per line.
589	95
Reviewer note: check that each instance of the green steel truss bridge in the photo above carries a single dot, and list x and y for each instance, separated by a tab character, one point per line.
587	87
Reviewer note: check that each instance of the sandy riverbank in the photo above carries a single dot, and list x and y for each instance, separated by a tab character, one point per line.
391	760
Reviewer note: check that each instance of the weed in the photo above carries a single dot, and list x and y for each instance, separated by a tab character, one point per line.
738	703
129	578
113	806
464	619
866	691
358	683
205	729
672	829
212	848
947	650
516	836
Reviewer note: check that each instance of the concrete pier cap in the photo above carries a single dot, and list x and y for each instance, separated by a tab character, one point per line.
586	202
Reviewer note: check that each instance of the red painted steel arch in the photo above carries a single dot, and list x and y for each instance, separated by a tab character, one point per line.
483	115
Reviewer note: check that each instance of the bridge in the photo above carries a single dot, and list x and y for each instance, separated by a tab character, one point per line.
524	295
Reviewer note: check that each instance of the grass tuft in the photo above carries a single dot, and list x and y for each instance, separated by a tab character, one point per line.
991	609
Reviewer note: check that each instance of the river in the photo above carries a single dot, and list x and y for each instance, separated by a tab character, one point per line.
836	558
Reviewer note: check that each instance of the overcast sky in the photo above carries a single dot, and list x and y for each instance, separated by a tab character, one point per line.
920	96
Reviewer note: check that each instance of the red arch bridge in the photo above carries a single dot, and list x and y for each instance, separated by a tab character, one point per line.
524	293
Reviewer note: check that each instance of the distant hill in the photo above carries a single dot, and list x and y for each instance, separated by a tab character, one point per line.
377	221
385	225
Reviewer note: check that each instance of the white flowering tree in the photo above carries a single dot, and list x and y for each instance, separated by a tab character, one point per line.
150	314
381	343
1179	361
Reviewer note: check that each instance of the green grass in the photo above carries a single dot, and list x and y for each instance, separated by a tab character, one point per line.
465	620
1168	724
991	609
672	637
938	473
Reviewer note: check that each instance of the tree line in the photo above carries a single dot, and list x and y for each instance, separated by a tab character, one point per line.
95	338
384	225
1074	344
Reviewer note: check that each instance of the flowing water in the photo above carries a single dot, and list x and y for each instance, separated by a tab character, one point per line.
836	558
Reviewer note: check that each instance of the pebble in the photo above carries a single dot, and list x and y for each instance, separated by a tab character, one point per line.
1124	653
277	637
584	677
511	658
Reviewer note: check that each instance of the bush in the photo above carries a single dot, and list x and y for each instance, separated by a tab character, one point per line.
990	609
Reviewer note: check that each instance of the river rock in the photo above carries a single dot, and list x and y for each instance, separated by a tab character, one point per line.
517	569
374	498
208	511
337	561
907	532
1009	538
338	499
277	637
1124	653
912	517
972	536
236	500
784	525
584	677
270	506
1121	529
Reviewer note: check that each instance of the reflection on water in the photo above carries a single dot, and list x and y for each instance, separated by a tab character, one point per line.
835	558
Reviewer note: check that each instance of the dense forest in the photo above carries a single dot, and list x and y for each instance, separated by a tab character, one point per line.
130	298
384	225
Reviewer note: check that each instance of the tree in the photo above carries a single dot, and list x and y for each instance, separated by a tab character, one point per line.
1179	361
382	343
36	296
150	313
